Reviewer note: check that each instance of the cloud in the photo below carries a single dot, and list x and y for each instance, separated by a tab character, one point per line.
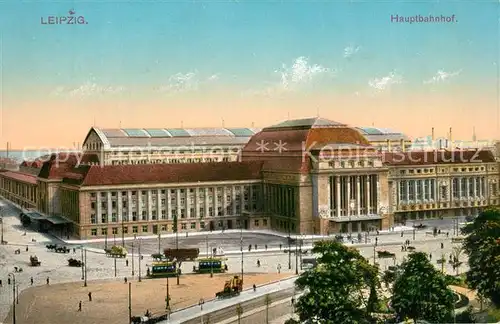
386	82
300	72
349	51
291	78
213	77
88	89
184	82
442	76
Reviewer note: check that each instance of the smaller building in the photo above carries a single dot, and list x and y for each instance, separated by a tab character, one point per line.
20	188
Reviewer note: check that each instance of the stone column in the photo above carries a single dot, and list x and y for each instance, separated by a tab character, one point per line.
110	207
207	203
233	196
197	203
188	202
338	204
178	207
415	196
249	202
368	196
358	196
216	205
158	205
168	204
129	205
407	185
149	196
119	206
98	208
348	195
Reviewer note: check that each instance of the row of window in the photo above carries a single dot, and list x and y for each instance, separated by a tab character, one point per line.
469	187
201	192
352	164
180	213
164	227
431	170
170	161
411	190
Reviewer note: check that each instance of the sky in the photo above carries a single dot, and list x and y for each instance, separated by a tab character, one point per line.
147	64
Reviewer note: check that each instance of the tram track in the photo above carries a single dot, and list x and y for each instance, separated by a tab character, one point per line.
246	306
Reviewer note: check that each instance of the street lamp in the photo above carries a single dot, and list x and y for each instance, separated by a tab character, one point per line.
114	239
123	233
241	248
1	222
296	257
130	302
85	268
352	205
13	296
106	240
140	257
81	250
135	236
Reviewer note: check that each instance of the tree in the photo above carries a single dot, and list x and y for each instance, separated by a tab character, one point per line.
456	254
337	287
421	293
482	245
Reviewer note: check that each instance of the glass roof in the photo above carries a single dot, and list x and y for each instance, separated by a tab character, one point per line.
135	132
241	132
178	132
371	131
307	122
157	132
113	133
207	131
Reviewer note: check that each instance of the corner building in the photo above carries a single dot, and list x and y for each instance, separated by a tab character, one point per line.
300	176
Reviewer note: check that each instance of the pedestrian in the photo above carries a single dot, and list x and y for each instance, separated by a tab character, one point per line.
90	296
74	250
27	248
125	279
279	268
430	256
80	306
265	246
31	280
256	246
280	247
254	287
48	281
126	263
0	283
447	234
376	241
8	281
402	233
442	245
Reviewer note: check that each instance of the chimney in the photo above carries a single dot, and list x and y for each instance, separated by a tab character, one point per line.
389	145
432	135
402	143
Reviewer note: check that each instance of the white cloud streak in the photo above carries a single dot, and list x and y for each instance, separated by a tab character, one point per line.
385	83
442	76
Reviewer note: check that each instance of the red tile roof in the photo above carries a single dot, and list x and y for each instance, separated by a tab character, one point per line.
438	157
18	176
163	173
62	163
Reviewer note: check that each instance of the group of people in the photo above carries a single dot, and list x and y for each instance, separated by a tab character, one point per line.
80	302
32	281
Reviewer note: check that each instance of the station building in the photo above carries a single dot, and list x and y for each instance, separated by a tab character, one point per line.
300	176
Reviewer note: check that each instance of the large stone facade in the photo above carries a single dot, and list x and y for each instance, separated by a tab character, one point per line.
328	179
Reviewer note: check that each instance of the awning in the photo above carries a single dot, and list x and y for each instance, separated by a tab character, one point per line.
33	216
57	220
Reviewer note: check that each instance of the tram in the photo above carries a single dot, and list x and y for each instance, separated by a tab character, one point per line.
208	265
163	269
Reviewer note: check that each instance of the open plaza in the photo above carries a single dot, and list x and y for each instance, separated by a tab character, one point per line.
42	303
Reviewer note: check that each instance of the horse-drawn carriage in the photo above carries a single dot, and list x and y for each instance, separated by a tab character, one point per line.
51	246
61	249
116	252
34	261
75	263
